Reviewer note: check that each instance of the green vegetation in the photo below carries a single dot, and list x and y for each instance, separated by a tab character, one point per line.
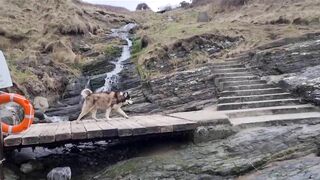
112	51
136	46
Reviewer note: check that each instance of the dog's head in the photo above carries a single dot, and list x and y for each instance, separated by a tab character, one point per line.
126	98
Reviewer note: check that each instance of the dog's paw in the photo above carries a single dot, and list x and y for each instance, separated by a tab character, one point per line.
127	117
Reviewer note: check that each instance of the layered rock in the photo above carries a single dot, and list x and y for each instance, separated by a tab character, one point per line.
245	152
295	60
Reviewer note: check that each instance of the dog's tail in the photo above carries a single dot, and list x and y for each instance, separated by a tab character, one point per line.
85	93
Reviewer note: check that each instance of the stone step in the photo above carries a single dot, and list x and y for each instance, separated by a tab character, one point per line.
277	119
230	70
240	83
257	104
254	98
239	78
251	92
226	63
271	110
228	66
236	74
245	87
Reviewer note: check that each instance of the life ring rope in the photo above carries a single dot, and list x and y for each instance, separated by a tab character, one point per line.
28	113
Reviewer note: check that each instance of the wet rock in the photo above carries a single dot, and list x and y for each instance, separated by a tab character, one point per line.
239	154
300	168
10	175
101	65
210	133
60	173
31	166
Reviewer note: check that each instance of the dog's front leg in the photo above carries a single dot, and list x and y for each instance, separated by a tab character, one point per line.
108	111
121	112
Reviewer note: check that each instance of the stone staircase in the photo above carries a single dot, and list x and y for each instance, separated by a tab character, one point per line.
247	100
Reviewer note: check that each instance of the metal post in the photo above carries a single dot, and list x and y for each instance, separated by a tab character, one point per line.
1	152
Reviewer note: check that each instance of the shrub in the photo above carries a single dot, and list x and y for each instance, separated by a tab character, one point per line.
112	51
136	46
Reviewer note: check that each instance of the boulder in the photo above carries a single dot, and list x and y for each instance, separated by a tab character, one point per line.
203	17
41	103
142	7
31	166
59	173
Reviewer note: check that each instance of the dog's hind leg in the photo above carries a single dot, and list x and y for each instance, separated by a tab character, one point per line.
108	111
85	111
121	112
94	115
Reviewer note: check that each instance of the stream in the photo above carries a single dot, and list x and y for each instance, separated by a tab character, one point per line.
112	78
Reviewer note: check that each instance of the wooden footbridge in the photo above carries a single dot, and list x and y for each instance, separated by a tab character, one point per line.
51	134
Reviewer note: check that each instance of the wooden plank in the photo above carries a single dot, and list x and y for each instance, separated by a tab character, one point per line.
78	131
93	130
63	132
179	124
48	133
165	126
14	139
150	124
171	124
124	130
32	136
137	129
107	129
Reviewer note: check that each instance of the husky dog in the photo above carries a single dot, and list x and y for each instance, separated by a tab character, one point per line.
104	101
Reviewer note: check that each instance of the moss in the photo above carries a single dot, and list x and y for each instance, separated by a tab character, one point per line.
112	51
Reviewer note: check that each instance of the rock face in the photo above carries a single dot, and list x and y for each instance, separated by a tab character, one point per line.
60	173
181	55
242	153
297	60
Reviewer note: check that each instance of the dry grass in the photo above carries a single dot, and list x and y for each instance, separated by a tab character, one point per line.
239	17
46	30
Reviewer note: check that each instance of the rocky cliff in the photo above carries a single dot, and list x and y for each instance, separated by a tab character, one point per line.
293	63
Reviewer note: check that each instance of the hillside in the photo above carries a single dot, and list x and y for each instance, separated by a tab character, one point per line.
42	41
257	21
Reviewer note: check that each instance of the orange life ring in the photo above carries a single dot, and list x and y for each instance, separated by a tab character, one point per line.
28	113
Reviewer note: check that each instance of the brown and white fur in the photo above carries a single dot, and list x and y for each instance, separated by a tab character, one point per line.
103	101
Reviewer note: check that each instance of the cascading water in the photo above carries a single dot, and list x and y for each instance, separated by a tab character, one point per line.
112	77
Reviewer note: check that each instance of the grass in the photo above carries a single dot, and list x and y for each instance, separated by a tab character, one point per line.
237	18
